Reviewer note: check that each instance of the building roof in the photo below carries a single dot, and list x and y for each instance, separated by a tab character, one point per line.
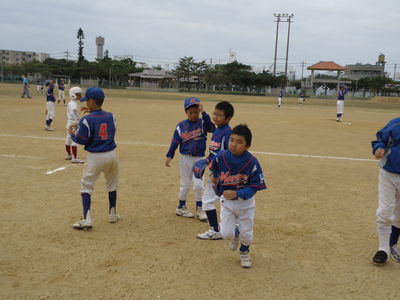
152	74
326	66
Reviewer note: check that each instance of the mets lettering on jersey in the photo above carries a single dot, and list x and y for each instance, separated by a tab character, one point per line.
191	136
219	140
240	173
96	131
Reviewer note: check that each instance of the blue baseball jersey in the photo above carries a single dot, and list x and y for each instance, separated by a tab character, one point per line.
341	93
242	174
61	85
25	81
219	140
50	93
96	131
191	136
388	138
281	94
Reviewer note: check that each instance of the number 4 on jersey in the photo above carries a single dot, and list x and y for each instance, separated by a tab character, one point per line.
103	131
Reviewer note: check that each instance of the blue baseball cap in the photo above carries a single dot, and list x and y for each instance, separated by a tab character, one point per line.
94	93
190	102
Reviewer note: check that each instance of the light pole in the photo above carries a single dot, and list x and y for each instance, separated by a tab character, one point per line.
278	19
289	20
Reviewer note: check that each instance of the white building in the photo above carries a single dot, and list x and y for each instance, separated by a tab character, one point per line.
13	57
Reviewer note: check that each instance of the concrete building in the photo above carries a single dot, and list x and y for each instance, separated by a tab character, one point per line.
358	71
152	79
100	44
12	57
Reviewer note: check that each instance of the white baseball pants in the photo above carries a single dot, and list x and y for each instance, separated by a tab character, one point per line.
340	106
96	163
209	197
239	212
68	139
388	211
51	112
61	95
186	164
279	101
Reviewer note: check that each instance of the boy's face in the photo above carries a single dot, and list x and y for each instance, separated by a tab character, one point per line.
78	96
219	118
91	104
193	113
237	144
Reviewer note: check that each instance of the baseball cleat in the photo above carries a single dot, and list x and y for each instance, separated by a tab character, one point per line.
77	161
183	212
395	254
201	215
48	128
83	225
380	257
245	260
211	234
68	157
113	217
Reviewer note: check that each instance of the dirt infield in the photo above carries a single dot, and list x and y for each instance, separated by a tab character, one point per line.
314	226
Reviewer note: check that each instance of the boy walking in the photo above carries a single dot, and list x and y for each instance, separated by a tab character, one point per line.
191	136
50	103
386	148
61	93
97	131
26	86
73	116
238	176
223	114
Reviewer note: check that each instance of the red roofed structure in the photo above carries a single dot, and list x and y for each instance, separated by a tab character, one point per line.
325	66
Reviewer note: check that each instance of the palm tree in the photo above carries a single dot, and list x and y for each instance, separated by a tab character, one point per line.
80	36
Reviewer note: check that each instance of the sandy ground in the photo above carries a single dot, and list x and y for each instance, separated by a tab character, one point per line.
314	226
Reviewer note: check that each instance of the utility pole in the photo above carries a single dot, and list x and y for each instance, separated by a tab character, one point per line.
394	73
67	54
289	20
278	19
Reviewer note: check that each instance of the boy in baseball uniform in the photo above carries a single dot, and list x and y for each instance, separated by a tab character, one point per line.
61	93
97	132
223	114
238	176
386	148
340	101
50	103
73	117
191	136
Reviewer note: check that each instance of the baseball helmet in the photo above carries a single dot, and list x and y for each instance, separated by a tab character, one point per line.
47	82
73	91
199	167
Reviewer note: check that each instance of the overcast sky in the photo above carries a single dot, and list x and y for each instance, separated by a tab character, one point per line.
162	31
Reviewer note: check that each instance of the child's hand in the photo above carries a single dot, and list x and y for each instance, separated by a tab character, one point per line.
379	153
84	109
214	180
168	161
230	195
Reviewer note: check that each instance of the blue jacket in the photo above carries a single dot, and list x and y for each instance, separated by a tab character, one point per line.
242	174
341	93
388	138
50	93
219	141
96	131
191	137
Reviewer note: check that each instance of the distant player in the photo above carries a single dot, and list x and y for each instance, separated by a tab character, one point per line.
39	89
97	131
301	98
26	87
386	148
280	97
61	93
50	105
73	116
340	101
223	114
190	135
238	176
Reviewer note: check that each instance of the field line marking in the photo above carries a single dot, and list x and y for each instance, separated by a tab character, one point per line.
56	170
166	146
17	156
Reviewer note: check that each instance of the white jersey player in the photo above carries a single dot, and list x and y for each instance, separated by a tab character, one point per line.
73	116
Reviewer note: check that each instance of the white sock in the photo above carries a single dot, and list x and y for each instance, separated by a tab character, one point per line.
384	241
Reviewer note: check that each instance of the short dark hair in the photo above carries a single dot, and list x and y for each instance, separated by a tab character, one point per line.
244	131
226	107
99	102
